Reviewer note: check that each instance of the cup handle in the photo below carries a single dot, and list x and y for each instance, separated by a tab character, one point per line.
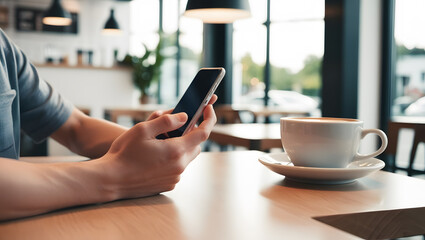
384	144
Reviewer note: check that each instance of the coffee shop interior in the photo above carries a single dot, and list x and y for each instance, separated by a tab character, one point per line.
350	59
121	60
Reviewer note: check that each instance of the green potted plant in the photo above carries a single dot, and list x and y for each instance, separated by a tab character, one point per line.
146	69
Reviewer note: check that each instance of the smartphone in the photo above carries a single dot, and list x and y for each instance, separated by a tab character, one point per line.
196	98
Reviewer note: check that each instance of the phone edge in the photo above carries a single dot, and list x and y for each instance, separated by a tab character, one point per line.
207	97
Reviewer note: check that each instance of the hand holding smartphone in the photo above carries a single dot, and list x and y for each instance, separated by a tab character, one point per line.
196	98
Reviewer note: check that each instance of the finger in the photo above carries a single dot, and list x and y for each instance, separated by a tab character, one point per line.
154	115
158	113
164	123
202	132
210	119
213	99
196	125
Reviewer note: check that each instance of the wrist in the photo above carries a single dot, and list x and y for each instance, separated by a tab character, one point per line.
102	182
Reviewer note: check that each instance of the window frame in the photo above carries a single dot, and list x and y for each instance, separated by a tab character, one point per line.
388	62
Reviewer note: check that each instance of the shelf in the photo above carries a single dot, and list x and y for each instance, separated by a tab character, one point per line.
82	67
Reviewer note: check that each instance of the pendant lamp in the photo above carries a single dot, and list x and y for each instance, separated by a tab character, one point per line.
56	15
111	25
218	11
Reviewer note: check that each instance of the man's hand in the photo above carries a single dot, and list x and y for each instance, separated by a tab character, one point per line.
138	164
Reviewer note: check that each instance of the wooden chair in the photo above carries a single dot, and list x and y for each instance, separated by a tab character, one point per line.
226	114
419	137
391	150
394	128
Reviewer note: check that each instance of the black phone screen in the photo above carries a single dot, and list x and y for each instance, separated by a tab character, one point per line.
194	96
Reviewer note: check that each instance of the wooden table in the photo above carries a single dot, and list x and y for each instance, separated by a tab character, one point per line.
139	113
253	136
230	195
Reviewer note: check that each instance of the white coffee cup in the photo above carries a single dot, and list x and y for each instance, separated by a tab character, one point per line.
326	142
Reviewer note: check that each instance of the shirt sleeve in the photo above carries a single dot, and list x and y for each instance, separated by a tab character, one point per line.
42	109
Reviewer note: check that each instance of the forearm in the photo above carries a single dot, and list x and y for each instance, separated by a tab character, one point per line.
136	165
29	189
88	136
95	136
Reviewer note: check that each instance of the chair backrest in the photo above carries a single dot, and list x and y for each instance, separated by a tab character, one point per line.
394	128
392	134
226	114
393	140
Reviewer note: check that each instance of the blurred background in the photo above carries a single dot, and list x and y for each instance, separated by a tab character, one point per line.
359	59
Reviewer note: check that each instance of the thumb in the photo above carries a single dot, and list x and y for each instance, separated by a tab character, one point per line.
166	123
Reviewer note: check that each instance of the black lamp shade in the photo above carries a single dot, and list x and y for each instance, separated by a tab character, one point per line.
218	11
111	25
56	15
233	4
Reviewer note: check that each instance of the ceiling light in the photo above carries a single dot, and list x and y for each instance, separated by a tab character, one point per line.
218	11
111	25
56	15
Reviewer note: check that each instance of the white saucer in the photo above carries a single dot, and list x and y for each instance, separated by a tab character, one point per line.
280	163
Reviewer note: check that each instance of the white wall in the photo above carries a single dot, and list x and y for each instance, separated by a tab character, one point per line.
95	89
92	17
92	88
369	68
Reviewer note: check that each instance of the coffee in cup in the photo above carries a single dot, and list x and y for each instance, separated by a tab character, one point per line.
325	142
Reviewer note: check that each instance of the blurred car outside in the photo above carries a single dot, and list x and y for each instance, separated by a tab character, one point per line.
417	108
290	101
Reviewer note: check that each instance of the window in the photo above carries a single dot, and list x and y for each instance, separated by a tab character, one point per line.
296	47
182	53
409	85
296	50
